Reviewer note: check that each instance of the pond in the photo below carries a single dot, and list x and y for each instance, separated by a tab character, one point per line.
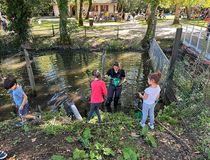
54	71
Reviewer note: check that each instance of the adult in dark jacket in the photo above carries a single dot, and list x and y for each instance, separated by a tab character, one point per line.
115	86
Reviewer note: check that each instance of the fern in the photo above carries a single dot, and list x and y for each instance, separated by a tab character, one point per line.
151	140
86	134
144	131
79	154
85	138
129	154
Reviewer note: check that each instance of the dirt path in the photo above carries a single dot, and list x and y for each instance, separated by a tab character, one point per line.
132	29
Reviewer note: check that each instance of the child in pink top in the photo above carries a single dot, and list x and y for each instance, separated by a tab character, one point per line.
98	91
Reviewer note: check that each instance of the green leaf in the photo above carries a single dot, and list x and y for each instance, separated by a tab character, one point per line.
87	134
108	151
99	146
26	127
144	131
79	154
57	157
69	139
92	155
129	154
208	152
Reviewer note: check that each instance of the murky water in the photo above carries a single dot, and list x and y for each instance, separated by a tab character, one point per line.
54	71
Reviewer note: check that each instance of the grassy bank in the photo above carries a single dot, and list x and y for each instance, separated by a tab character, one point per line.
116	138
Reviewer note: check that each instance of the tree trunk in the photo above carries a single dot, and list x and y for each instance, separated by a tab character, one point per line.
148	11
80	2
177	14
89	8
189	11
151	24
77	9
63	10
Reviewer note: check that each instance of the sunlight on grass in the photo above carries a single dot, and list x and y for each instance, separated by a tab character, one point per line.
13	66
196	22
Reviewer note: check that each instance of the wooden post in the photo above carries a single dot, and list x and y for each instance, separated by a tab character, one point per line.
169	93
176	45
53	31
117	32
30	72
85	32
103	58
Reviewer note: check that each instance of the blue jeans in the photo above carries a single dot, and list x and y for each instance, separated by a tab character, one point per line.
148	108
24	111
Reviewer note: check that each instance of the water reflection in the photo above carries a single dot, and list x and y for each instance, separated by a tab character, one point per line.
54	71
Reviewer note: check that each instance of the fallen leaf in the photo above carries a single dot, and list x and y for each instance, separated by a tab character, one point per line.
33	140
133	134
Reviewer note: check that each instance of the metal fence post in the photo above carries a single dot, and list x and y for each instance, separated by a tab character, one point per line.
199	37
191	35
53	31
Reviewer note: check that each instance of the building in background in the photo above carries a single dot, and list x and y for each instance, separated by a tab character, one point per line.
107	7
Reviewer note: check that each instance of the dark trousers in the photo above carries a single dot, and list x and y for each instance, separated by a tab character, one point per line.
94	107
113	91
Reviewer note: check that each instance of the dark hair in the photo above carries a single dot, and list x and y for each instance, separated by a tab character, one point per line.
155	76
96	73
116	64
9	82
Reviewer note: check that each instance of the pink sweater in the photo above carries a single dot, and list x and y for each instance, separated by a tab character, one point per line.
98	90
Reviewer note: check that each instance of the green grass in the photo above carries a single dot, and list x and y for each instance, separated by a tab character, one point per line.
196	22
45	25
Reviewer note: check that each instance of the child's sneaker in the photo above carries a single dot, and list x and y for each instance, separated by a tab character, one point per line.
142	125
151	126
3	155
19	124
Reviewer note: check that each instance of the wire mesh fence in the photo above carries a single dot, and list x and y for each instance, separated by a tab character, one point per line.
159	60
192	85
